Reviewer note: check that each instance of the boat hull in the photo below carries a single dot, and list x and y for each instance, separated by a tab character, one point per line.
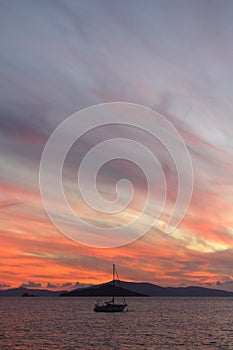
110	308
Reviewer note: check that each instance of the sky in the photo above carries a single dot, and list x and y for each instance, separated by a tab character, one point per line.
59	57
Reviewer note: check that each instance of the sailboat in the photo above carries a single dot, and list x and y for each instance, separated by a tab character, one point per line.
111	306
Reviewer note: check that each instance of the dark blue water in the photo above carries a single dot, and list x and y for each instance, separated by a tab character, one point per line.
151	323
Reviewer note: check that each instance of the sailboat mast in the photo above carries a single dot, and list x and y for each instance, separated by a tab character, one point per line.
113	279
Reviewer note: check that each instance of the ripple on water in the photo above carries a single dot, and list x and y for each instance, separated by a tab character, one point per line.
154	323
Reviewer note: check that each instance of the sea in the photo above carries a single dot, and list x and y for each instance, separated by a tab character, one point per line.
150	323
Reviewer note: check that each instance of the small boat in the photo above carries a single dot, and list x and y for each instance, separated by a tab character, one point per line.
111	306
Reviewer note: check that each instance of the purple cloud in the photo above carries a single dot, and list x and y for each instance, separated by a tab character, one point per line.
31	284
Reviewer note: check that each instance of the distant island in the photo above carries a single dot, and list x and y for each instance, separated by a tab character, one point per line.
26	295
129	289
106	290
25	292
146	289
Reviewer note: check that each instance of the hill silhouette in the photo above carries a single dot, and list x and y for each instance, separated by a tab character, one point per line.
147	289
18	292
127	288
106	290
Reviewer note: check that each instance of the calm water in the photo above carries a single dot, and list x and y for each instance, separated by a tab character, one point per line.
151	323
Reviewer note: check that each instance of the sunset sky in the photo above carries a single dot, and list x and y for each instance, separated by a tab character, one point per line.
58	57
